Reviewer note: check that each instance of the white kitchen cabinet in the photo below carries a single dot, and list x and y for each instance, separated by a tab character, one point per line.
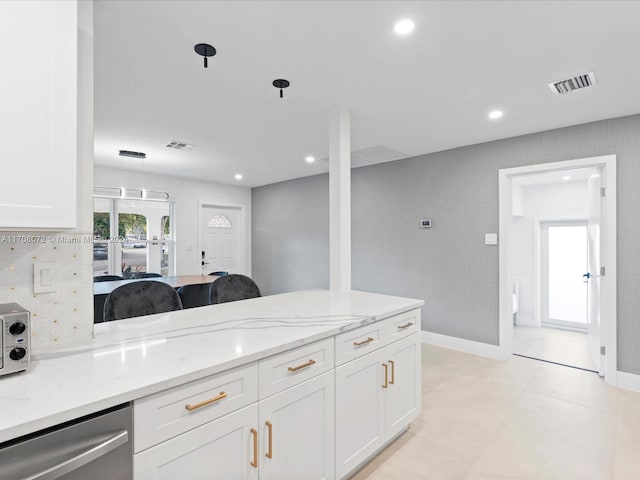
293	429
39	51
167	414
377	396
226	448
290	416
297	432
404	395
360	411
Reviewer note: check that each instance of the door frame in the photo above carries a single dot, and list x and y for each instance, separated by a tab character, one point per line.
543	268
608	306
242	233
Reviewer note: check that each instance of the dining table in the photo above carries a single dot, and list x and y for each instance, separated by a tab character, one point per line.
102	289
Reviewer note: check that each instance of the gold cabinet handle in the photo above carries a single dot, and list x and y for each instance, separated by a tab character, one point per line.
363	342
393	372
304	365
406	325
386	375
254	462
269	453
218	397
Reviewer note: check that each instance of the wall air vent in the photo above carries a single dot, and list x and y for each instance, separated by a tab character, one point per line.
177	145
562	87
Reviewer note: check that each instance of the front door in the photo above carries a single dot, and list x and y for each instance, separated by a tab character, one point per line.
220	242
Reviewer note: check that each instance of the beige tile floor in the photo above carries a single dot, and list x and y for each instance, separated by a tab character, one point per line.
553	344
520	419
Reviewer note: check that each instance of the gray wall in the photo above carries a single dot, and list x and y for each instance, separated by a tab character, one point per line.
292	228
448	266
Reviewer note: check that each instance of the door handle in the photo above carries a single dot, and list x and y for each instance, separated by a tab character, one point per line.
269	453
254	462
393	372
89	455
304	365
220	396
386	375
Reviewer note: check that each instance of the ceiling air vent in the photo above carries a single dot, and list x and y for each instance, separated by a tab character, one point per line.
177	145
578	82
132	154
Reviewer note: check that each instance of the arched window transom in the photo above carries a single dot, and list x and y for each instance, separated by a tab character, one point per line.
220	221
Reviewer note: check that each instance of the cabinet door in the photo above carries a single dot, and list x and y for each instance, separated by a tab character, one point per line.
297	443
404	395
221	449
360	411
39	48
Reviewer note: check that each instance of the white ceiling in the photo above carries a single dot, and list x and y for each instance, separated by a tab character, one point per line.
425	92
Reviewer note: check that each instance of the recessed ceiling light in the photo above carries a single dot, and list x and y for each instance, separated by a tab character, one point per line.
310	159
404	27
238	176
566	178
495	114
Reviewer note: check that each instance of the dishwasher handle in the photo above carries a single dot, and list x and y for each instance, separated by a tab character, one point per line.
92	453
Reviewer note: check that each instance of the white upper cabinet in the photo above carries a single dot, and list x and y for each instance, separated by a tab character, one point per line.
38	113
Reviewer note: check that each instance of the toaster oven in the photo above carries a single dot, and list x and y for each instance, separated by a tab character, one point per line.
15	335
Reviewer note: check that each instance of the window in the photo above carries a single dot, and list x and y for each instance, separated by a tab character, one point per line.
132	236
220	221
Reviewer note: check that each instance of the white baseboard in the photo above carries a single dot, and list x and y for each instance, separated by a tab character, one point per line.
463	345
526	321
628	381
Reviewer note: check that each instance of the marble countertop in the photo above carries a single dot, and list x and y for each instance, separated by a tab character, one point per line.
132	358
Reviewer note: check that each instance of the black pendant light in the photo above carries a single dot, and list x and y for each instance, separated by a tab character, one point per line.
205	50
281	83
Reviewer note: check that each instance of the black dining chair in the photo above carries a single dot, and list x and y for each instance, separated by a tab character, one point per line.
140	298
195	295
107	278
230	288
146	275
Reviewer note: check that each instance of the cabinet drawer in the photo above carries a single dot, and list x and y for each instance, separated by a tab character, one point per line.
403	325
294	366
358	342
166	414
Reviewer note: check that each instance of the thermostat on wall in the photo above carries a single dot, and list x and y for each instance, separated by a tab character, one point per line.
425	223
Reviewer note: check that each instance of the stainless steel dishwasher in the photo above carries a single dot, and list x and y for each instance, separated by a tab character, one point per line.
94	447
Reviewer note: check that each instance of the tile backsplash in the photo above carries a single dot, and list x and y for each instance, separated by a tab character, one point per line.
60	319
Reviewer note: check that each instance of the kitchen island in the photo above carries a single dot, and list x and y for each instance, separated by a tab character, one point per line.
147	359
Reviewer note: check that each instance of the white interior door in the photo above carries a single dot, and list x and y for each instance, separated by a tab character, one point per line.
594	264
220	239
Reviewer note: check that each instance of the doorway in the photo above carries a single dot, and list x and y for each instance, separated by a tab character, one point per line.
221	239
564	247
556	303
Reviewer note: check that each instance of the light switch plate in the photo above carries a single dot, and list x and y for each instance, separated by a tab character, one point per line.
490	238
45	277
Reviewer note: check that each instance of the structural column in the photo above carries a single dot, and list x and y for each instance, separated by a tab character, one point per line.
340	200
